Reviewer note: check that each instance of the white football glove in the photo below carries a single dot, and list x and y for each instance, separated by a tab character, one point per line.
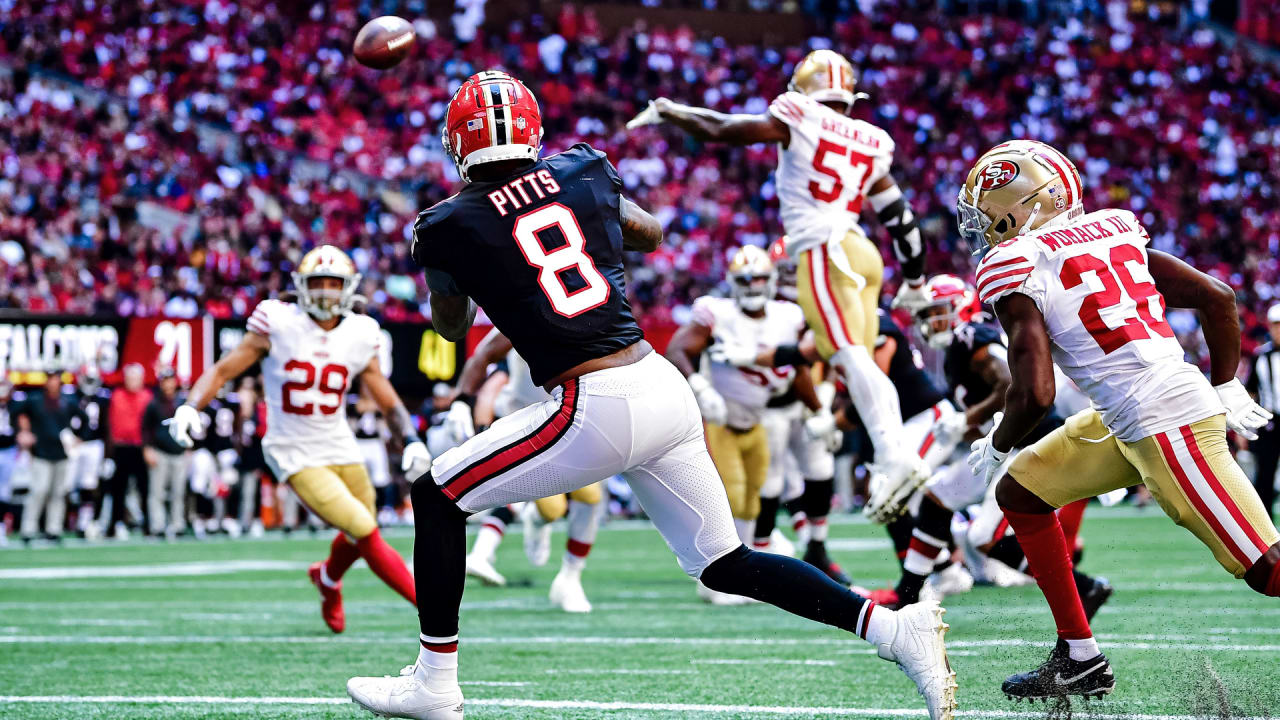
911	298
710	402
985	459
415	461
1244	416
185	420
648	116
733	354
821	427
458	422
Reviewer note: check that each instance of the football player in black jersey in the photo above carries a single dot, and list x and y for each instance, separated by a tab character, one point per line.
538	244
88	451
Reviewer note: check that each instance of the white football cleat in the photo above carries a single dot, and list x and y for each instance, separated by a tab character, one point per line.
892	484
483	570
954	579
715	597
406	696
567	593
537	535
918	647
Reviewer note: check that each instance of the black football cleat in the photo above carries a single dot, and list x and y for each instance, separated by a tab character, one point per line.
1094	598
1060	676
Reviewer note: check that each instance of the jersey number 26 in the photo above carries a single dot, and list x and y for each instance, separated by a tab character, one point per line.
1132	328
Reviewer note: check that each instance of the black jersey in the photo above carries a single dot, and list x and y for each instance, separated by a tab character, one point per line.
364	424
90	419
968	386
219	420
8	425
541	252
917	391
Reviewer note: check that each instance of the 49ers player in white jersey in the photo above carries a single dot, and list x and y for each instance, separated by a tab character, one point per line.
1084	291
829	165
310	351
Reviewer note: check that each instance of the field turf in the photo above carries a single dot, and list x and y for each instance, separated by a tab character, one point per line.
231	629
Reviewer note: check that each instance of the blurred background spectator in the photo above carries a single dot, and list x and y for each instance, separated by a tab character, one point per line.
43	417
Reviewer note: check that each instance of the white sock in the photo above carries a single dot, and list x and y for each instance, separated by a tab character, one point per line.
584	521
487	541
438	670
880	626
818	529
1082	650
572	563
746	530
874	397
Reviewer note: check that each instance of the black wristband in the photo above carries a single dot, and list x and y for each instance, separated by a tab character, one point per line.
467	398
784	355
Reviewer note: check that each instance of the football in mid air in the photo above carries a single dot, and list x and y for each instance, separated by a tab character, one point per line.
383	42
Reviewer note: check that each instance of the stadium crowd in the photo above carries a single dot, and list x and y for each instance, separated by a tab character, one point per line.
215	109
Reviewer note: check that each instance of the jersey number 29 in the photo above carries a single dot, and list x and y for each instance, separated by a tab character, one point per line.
1132	328
333	381
551	264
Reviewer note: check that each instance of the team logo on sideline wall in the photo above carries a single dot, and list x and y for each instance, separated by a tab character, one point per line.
998	174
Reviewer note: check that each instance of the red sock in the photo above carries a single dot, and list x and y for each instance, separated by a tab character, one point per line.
1049	558
387	564
341	555
1070	517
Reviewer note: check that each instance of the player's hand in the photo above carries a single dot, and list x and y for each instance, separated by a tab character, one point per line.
985	459
710	402
1244	416
950	429
459	423
415	461
821	427
733	354
651	115
185	420
911	297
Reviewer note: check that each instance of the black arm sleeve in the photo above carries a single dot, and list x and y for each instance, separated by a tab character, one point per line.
898	219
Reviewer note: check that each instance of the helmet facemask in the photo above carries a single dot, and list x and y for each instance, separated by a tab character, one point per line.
330	302
753	291
936	323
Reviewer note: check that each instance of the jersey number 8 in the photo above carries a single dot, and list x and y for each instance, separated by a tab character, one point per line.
550	264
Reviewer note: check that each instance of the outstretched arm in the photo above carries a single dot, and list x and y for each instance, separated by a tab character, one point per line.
1031	385
251	349
1185	287
389	402
640	230
713	126
688	343
992	366
491	349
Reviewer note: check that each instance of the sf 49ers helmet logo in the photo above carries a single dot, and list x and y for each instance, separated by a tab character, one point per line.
998	174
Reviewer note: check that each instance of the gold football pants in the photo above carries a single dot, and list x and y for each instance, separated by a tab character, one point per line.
557	506
742	459
340	494
1189	471
839	308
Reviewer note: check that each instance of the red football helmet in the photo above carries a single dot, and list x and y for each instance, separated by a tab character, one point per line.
491	117
786	268
953	303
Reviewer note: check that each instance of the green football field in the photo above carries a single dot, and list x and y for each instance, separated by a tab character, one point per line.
231	629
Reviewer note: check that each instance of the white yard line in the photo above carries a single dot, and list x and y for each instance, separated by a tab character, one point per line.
220	567
754	710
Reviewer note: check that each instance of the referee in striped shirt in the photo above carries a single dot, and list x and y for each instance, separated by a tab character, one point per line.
1264	383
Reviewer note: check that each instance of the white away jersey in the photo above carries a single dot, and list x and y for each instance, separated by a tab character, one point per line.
747	390
307	374
1105	319
825	171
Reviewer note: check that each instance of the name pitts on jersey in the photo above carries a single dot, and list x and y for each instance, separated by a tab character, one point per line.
553	282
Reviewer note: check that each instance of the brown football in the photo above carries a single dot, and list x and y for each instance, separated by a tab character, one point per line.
383	42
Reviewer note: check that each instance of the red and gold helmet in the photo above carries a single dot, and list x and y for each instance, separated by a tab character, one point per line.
326	261
492	117
825	76
752	278
953	303
1016	187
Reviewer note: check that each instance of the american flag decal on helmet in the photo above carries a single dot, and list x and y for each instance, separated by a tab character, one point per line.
475	124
